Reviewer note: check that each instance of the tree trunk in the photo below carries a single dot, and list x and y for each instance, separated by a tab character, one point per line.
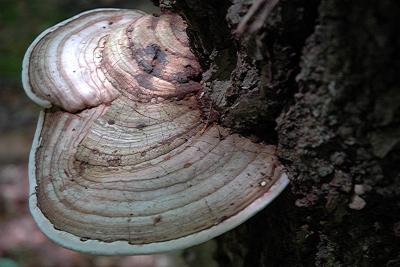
320	80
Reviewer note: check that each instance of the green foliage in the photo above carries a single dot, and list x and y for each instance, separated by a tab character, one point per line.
4	262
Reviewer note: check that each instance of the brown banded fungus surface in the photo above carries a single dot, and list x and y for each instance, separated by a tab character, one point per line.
124	160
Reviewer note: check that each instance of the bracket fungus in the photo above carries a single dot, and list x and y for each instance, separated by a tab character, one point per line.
123	159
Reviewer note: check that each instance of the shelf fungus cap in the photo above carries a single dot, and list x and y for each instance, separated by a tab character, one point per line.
124	160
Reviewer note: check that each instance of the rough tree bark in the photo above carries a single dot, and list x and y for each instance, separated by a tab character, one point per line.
318	78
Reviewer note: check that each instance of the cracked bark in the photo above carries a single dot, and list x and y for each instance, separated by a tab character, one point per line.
320	80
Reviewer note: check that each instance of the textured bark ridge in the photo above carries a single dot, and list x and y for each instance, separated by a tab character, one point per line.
325	74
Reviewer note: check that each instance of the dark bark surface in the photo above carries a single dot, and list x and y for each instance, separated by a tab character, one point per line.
320	79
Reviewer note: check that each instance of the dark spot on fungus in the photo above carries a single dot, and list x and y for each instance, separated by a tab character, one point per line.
145	80
80	166
114	162
111	122
156	52
157	219
180	78
141	126
146	66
